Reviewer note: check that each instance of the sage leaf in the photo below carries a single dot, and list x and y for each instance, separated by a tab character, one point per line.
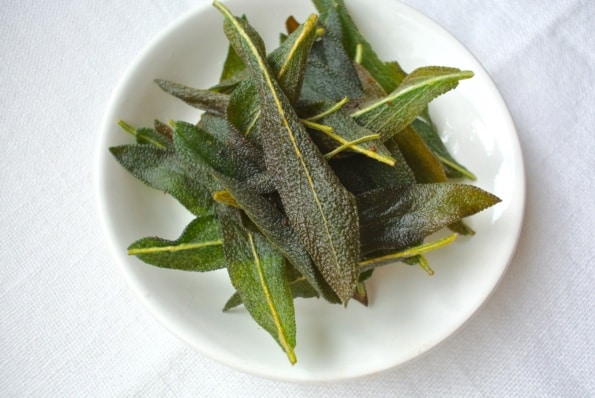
300	288
206	100
144	135
200	148
452	168
288	61
391	114
426	167
243	111
335	15
199	248
330	73
360	174
321	211
423	162
411	255
272	223
162	169
257	271
234	69
396	217
345	130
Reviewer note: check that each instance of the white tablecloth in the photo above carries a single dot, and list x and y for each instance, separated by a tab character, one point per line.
69	325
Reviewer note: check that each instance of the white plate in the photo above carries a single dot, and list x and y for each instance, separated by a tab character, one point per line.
410	312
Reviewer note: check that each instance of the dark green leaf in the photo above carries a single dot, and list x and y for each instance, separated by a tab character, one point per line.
391	114
199	147
206	100
257	272
243	111
300	288
288	62
335	15
425	165
162	169
430	136
394	218
272	223
233	67
360	174
330	74
148	136
321	211
199	248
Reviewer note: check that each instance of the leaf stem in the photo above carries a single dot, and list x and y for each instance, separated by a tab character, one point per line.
359	51
127	128
423	262
274	313
410	252
351	144
328	131
464	74
329	111
181	247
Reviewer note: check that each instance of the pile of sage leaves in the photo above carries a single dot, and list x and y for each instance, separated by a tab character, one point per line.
310	166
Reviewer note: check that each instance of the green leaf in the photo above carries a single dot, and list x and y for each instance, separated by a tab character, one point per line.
243	111
271	222
157	137
345	131
199	248
425	165
392	113
203	149
335	15
396	217
300	288
429	135
360	174
206	100
288	61
163	170
233	67
330	74
257	271
412	255
321	211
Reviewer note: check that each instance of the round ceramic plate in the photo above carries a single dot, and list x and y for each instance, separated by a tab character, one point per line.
409	312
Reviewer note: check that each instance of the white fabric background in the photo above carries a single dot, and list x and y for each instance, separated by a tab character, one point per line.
69	326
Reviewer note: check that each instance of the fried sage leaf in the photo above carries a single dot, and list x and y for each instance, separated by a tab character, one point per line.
336	17
452	168
206	100
200	147
271	222
288	61
257	271
391	114
159	137
199	248
300	288
163	170
396	217
321	211
425	166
